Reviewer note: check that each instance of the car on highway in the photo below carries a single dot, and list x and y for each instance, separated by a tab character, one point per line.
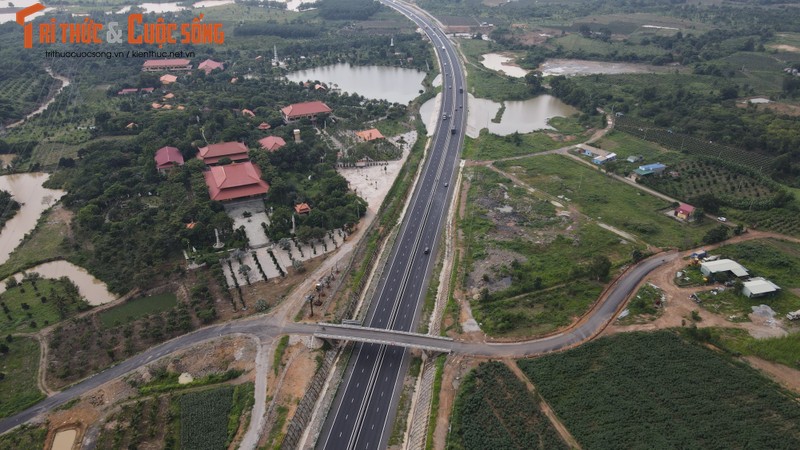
444	116
427	250
446	184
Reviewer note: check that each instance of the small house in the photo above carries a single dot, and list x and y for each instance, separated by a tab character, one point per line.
302	208
163	65
210	65
128	91
167	158
650	169
213	153
264	126
602	159
271	143
369	135
635	158
235	181
168	79
759	287
684	211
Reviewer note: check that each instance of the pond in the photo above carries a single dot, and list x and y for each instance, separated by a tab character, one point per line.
502	63
575	67
27	190
64	439
523	116
394	84
93	290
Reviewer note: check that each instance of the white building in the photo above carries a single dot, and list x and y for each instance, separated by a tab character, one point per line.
759	286
723	265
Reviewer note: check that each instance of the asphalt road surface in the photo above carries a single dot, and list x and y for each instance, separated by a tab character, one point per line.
364	408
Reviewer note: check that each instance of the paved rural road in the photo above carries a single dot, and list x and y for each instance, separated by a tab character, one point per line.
364	408
265	327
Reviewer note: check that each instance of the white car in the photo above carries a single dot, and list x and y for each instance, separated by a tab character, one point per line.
722	219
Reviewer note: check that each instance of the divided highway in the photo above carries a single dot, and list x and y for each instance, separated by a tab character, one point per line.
364	408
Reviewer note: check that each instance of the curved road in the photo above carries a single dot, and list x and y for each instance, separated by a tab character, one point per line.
265	327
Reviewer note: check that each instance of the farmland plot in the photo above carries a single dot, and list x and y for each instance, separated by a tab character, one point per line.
656	390
204	418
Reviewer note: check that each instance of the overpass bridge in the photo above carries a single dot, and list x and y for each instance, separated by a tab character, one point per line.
344	332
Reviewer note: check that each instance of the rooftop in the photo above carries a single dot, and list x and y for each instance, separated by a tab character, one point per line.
725	265
235	181
305	109
370	135
760	285
158	63
272	143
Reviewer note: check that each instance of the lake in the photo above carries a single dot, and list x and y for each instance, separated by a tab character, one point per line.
502	63
394	84
27	190
523	116
93	290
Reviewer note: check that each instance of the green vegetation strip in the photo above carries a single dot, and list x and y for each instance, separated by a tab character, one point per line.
494	409
26	436
136	308
279	351
436	389
19	364
661	391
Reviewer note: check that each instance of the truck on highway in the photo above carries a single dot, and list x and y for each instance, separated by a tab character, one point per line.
452	130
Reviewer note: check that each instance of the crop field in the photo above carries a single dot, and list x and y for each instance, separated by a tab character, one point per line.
656	390
19	365
136	308
204	418
26	436
607	200
529	260
694	146
761	71
495	410
577	46
36	303
24	94
781	220
731	187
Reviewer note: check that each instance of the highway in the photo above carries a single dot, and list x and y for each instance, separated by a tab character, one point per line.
364	408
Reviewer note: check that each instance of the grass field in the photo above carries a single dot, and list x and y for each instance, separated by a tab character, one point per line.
44	243
31	306
656	390
608	200
20	366
782	350
490	146
495	410
136	308
486	83
528	258
536	313
625	145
